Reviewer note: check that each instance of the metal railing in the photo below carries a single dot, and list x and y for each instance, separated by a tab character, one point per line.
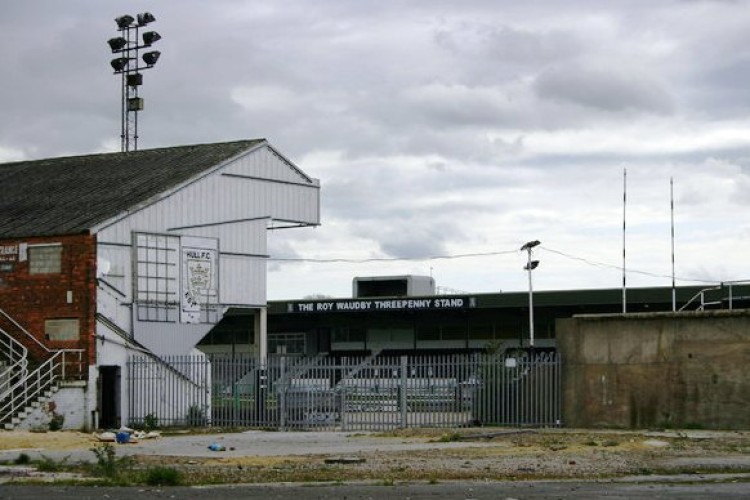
350	393
28	389
702	299
23	386
15	364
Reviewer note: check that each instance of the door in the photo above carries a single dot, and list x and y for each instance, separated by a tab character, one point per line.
109	397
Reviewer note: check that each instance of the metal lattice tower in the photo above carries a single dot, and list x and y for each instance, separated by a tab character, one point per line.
127	65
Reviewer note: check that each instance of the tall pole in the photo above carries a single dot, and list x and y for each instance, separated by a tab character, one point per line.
531	302
127	65
671	208
530	266
624	205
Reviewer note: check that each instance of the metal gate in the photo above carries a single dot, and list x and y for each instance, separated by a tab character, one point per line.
373	392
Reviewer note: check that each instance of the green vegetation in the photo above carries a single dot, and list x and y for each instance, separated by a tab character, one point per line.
163	476
46	464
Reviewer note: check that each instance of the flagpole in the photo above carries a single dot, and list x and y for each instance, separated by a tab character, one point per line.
624	204
671	208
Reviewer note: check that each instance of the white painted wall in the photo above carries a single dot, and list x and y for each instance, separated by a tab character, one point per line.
235	204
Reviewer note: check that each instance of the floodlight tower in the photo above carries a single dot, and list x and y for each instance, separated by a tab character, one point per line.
127	65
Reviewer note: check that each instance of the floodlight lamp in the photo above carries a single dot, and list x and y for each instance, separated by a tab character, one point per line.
134	79
531	244
124	21
145	18
531	265
150	58
150	37
135	104
119	64
117	44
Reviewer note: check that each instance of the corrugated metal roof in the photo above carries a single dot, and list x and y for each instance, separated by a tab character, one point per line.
73	194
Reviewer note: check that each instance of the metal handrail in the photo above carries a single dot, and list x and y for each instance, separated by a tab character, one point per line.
16	353
730	298
29	385
43	347
29	388
702	295
26	332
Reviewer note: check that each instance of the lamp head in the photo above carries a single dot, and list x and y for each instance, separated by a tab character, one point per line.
119	64
531	244
150	37
150	58
124	21
117	44
145	18
532	265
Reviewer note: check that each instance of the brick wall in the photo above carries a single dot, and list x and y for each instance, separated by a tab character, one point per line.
32	297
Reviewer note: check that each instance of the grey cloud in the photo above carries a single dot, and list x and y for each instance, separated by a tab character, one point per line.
507	46
611	88
474	88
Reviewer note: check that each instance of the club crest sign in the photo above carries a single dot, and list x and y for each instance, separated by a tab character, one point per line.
198	282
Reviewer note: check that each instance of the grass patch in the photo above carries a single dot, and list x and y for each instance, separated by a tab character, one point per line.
163	476
47	464
450	437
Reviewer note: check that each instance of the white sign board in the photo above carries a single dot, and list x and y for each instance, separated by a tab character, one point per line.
199	277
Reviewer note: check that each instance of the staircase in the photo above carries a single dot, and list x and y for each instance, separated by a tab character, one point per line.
22	388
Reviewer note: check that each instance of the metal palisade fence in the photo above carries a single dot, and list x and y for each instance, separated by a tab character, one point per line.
346	392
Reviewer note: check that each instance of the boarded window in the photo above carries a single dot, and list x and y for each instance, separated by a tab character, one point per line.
45	259
62	329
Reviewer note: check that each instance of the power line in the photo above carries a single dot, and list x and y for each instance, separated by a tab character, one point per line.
612	266
584	260
391	259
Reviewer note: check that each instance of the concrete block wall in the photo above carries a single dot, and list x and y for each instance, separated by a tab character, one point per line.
68	402
678	370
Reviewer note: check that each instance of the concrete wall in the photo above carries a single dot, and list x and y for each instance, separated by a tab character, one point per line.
657	370
67	402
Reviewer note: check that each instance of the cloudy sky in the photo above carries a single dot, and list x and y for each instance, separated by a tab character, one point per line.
447	129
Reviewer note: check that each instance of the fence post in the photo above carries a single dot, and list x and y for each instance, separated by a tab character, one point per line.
281	394
402	392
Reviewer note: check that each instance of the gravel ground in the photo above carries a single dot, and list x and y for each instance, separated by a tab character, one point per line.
429	454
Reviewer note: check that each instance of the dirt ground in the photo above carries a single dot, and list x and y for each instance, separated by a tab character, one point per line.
52	441
421	454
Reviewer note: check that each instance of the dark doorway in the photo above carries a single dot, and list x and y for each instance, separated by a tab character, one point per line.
109	397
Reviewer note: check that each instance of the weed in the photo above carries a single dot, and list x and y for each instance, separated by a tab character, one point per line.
163	476
47	464
56	422
196	417
107	464
150	422
449	438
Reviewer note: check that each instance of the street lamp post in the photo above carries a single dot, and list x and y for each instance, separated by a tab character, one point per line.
126	64
530	266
